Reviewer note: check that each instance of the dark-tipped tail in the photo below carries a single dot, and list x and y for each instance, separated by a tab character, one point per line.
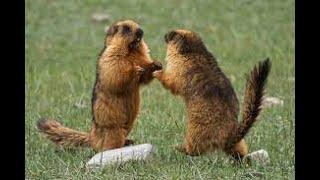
61	135
253	99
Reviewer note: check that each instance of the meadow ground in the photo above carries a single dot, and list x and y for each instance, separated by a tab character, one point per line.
62	45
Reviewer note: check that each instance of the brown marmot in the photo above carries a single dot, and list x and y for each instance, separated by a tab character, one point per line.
123	65
212	105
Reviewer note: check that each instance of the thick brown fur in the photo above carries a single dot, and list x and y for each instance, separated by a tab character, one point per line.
123	66
193	73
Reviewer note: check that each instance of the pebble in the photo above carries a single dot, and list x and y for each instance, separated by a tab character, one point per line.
100	17
271	101
260	156
80	105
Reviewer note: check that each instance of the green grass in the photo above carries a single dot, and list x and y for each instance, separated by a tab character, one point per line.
62	44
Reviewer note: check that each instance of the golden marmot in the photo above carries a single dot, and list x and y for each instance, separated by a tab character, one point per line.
123	65
212	105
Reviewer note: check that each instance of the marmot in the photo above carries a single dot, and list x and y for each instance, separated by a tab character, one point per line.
212	105
123	65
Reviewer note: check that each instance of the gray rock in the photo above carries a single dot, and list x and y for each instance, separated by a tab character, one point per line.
272	101
80	105
260	156
97	17
141	152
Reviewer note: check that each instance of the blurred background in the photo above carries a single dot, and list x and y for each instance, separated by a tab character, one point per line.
64	38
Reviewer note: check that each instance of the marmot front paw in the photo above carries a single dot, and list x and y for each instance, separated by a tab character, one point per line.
139	70
156	74
156	66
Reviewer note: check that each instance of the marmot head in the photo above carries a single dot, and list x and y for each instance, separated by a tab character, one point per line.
184	42
125	33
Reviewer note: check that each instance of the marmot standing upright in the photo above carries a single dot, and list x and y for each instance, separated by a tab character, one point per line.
123	65
212	105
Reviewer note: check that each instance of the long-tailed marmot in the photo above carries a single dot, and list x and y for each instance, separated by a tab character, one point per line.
123	66
212	105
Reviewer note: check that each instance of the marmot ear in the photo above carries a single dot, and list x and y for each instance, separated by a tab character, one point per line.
169	36
112	30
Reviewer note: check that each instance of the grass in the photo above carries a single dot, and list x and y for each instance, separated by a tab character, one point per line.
62	44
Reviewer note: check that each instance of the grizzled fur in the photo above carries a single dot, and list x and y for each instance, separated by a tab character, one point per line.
123	66
193	73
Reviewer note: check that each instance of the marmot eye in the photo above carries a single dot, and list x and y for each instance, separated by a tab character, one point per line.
126	29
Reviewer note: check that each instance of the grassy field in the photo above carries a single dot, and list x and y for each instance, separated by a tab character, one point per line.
62	45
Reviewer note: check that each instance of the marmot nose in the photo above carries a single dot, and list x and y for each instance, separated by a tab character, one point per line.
139	33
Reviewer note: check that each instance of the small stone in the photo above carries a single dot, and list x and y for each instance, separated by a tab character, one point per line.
141	152
258	156
254	174
270	101
80	105
100	17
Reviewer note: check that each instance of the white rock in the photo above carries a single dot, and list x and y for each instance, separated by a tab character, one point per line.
270	101
100	17
141	152
259	156
80	105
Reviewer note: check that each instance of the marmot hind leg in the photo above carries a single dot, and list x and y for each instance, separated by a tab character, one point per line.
194	150
105	139
128	142
238	151
197	142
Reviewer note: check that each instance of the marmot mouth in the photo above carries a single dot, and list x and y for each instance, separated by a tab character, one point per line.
135	43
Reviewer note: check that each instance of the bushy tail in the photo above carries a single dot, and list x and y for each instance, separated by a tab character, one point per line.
253	98
61	135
